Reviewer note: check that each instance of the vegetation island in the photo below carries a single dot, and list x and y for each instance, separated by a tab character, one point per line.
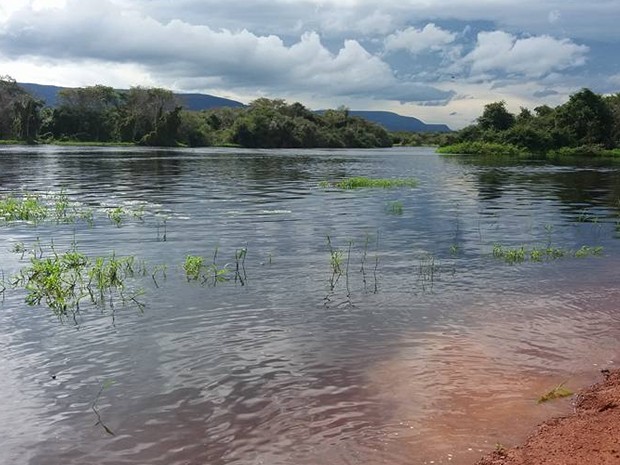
587	125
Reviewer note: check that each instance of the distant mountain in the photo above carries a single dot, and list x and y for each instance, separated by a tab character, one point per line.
49	94
196	102
395	122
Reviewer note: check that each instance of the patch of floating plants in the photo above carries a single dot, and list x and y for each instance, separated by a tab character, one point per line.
557	392
56	207
197	269
65	281
538	254
342	260
360	182
395	207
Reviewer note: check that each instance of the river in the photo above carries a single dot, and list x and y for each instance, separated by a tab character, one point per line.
423	348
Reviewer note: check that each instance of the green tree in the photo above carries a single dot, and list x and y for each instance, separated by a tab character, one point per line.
496	117
142	110
587	119
87	114
194	131
19	112
165	132
613	103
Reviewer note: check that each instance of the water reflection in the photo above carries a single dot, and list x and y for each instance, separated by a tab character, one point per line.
433	366
582	184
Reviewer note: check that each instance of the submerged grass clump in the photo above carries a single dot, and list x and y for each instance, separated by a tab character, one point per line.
58	207
193	267
538	254
395	207
116	216
63	281
27	208
359	182
557	392
196	269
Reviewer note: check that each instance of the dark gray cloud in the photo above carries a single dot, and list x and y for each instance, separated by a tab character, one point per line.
545	93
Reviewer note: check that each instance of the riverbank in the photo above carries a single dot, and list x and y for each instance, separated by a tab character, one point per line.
591	435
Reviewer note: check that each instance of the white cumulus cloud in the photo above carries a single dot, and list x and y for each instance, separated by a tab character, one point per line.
416	41
499	51
178	51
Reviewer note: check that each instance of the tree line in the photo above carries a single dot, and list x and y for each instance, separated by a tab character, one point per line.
588	123
155	117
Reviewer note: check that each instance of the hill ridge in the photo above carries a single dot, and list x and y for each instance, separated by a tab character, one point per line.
197	101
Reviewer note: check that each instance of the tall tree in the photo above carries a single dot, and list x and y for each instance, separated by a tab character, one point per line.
143	108
19	112
87	113
496	117
613	103
587	118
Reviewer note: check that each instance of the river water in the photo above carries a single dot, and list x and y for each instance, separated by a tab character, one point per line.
426	348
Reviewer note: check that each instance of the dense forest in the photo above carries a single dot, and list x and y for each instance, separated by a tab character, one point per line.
587	124
154	116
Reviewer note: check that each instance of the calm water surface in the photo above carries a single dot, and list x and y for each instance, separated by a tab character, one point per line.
433	353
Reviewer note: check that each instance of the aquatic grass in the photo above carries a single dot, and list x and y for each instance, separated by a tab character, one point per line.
20	248
63	281
108	273
335	263
240	274
428	268
376	267
522	253
196	269
57	281
340	267
587	251
162	230
363	261
61	207
93	407
455	250
346	275
37	208
193	267
557	392
395	207
359	182
27	208
217	274
116	215
159	269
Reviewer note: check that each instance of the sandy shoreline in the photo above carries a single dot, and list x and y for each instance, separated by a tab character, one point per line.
590	435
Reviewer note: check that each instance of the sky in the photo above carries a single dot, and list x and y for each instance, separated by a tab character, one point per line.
440	61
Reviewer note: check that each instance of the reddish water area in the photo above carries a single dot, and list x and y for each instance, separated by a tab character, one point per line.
461	393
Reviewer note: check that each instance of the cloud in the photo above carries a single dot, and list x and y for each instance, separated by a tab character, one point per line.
178	51
614	79
416	41
500	51
554	16
595	19
545	93
322	52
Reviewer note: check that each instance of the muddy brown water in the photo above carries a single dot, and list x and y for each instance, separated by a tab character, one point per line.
435	353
